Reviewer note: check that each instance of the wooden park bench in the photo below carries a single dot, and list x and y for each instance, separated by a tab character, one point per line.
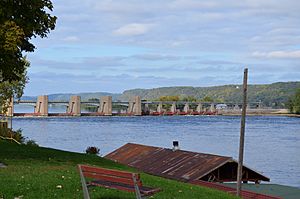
113	179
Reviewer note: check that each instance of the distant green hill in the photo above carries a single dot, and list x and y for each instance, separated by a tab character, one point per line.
276	94
84	96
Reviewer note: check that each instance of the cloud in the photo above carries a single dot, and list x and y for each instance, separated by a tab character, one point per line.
192	4
50	82
278	54
172	42
71	39
83	65
133	29
156	57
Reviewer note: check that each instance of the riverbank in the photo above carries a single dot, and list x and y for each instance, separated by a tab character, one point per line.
57	115
194	133
37	172
259	112
263	114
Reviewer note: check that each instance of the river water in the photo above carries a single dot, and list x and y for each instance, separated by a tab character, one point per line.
272	143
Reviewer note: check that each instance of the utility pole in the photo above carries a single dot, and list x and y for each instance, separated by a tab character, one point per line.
242	135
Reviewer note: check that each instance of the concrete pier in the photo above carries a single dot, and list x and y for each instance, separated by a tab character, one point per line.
74	106
105	107
173	107
199	108
41	107
212	108
159	107
145	109
135	106
236	107
186	108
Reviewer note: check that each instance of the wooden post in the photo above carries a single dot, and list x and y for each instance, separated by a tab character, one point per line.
242	135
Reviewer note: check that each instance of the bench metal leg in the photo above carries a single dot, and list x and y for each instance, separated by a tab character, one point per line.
136	187
83	184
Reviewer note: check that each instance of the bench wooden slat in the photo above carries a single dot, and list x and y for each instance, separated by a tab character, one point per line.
112	185
106	171
110	178
144	190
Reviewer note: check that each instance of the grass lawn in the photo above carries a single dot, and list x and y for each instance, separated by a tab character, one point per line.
37	172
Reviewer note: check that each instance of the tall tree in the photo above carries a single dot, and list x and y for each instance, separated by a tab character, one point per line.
294	103
20	21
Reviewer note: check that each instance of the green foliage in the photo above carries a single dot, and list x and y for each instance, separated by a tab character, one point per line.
92	150
31	143
189	99
169	98
37	172
14	88
207	99
16	135
94	100
20	20
11	61
90	107
273	95
294	103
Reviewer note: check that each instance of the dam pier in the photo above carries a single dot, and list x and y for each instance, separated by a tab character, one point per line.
135	106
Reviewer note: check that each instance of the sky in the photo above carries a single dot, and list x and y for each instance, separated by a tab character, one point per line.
115	45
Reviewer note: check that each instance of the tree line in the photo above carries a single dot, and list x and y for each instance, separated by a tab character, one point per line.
176	98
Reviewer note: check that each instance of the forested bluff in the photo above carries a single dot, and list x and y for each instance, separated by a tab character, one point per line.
276	95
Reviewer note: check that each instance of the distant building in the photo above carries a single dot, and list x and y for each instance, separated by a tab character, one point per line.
221	106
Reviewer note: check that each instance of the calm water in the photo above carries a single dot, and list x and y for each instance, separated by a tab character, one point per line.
272	143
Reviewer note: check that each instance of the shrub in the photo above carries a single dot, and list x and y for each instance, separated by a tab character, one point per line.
92	150
17	135
31	143
8	133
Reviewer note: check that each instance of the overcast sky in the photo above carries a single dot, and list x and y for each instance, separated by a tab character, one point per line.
112	45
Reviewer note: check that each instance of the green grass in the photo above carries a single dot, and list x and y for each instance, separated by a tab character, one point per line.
36	172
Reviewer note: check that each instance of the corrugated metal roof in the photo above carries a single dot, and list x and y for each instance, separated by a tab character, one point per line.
180	165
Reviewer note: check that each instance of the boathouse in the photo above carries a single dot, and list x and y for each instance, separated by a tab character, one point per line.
182	165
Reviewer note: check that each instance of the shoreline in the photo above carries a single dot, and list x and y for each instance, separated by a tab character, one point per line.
220	114
264	114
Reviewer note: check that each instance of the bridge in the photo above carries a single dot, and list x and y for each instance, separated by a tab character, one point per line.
134	107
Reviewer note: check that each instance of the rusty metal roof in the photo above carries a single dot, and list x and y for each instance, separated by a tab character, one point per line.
179	165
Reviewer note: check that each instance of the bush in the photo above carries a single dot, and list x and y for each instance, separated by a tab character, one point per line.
31	143
17	135
8	133
92	150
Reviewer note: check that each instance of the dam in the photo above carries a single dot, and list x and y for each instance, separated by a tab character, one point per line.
135	106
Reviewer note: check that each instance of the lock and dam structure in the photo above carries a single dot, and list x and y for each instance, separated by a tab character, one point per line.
105	106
